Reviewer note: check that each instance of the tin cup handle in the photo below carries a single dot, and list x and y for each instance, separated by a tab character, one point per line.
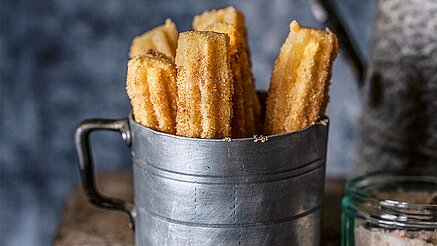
86	167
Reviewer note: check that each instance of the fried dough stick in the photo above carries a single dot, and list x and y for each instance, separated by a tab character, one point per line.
299	85
228	15
162	38
246	108
151	86
238	123
204	81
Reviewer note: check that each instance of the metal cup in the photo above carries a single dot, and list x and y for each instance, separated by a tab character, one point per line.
249	191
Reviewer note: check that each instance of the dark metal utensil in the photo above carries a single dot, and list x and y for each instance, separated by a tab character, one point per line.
324	12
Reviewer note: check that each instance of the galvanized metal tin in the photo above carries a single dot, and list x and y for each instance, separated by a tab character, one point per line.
228	192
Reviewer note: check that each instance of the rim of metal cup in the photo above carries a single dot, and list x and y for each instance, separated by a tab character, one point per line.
323	122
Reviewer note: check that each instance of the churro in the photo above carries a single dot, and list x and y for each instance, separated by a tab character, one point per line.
228	15
205	85
299	85
162	38
151	86
238	127
245	119
199	84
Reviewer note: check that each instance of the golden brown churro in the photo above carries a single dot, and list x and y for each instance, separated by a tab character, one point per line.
204	83
162	38
212	92
245	101
251	101
299	85
238	127
228	15
151	86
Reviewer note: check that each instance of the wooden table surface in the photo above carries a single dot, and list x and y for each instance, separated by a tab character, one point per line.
83	224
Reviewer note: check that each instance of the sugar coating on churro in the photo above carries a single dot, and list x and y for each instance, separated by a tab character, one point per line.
151	86
246	106
205	85
252	107
228	15
299	85
230	30
238	127
162	38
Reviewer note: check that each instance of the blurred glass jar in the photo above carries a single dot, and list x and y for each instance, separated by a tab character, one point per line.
390	209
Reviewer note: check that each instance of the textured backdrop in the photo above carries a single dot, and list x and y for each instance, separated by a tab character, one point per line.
63	61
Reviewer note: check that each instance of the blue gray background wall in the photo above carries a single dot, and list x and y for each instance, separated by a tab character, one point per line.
63	61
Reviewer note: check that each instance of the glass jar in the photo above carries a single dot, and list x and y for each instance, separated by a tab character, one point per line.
390	209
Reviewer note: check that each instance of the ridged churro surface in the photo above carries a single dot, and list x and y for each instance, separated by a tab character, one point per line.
238	122
228	15
162	38
246	108
205	85
151	86
299	85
